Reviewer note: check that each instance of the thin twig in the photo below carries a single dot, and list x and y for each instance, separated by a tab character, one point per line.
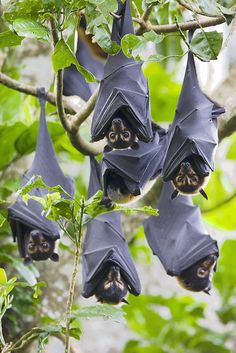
72	282
31	90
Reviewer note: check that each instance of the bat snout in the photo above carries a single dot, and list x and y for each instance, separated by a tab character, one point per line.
35	234
185	167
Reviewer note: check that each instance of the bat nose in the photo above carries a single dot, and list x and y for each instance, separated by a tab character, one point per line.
185	166
35	234
117	122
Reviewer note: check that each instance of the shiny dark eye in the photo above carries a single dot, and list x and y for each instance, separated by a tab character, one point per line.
126	134
31	247
45	245
201	272
112	135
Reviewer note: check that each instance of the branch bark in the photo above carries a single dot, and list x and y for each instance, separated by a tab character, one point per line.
185	26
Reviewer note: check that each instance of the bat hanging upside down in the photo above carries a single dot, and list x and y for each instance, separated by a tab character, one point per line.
112	288
117	191
120	135
39	247
188	182
198	277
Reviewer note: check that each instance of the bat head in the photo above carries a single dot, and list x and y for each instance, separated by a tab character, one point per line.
187	181
39	247
198	277
112	288
117	190
120	135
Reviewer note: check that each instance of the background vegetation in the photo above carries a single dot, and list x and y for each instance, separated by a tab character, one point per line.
160	322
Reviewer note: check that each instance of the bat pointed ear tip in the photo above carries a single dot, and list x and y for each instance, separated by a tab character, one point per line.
207	291
54	257
27	260
124	301
202	192
174	194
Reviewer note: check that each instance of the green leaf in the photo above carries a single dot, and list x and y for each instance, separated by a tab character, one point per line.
3	276
134	45
30	28
209	7
63	57
9	39
105	311
231	154
26	142
207	45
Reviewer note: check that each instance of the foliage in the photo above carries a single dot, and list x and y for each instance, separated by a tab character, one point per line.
162	324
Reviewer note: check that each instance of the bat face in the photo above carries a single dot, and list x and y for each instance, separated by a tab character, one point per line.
198	277
112	289
39	247
120	136
187	181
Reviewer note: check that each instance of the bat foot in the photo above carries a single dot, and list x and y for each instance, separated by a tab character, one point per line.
135	146
107	149
202	192
174	194
106	202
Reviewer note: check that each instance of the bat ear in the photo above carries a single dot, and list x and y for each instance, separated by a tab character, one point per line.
27	260
207	291
174	194
107	149
54	257
124	301
202	192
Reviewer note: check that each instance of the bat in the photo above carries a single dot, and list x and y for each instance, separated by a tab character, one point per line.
129	174
179	239
27	222
108	270
192	137
123	92
88	55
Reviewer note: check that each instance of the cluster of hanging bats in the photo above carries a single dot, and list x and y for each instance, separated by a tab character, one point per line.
137	152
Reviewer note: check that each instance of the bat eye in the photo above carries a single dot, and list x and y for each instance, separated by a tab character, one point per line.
45	246
126	134
31	247
201	272
112	136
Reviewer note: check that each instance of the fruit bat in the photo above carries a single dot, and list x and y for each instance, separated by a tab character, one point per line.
108	270
73	82
179	239
35	234
192	137
123	91
129	174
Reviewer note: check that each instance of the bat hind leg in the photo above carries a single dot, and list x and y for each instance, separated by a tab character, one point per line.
174	194
202	192
107	202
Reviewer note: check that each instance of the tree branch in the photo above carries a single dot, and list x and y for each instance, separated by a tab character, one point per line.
72	124
170	28
227	128
31	90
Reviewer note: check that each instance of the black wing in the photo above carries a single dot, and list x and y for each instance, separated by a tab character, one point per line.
136	166
44	164
194	129
104	243
177	236
124	88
